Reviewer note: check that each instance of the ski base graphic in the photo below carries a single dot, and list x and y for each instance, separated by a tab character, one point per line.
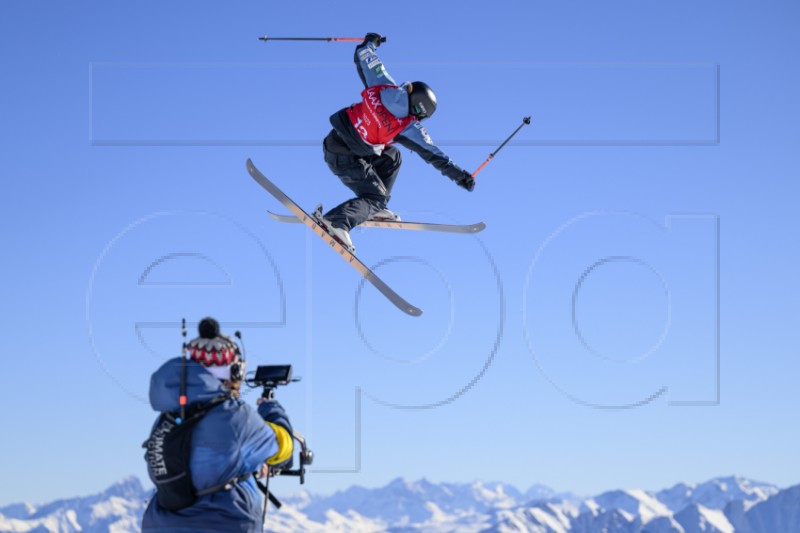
350	258
418	226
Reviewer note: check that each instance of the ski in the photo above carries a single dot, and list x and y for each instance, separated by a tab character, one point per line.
418	226
351	259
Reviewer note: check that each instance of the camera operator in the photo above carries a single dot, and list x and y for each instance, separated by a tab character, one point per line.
229	442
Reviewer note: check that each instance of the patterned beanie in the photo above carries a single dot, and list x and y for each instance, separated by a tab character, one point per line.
215	351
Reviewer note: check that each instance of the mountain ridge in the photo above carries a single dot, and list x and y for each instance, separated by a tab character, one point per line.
730	504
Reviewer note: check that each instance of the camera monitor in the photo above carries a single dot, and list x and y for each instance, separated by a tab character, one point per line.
277	374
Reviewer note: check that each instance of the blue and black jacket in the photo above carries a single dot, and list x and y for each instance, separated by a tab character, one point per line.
372	72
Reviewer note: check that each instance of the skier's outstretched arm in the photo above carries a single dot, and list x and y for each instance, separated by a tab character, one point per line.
369	65
416	139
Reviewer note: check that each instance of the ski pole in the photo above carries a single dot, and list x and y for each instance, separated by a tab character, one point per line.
525	121
328	39
266	502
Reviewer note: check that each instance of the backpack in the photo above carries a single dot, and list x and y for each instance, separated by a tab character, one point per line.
167	456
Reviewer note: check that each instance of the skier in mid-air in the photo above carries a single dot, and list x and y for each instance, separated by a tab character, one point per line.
359	147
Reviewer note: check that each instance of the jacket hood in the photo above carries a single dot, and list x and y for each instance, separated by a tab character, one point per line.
165	385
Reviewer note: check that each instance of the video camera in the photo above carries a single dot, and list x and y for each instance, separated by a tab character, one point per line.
271	377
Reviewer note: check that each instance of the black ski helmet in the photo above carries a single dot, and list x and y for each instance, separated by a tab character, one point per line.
421	100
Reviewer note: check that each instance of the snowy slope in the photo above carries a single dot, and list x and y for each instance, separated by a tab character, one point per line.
634	502
698	519
540	517
778	514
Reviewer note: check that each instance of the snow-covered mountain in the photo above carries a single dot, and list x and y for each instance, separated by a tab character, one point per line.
721	505
715	494
118	509
779	513
634	502
405	501
696	518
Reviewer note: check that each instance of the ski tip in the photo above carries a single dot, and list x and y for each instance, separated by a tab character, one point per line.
291	219
480	226
413	311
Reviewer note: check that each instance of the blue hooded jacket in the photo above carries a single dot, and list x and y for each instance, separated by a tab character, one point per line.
231	440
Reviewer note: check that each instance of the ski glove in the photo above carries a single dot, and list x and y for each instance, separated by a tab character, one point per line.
466	181
374	38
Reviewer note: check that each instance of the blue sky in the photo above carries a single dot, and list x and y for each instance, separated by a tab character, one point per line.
627	319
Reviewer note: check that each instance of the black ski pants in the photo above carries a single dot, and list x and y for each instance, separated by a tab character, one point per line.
371	178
